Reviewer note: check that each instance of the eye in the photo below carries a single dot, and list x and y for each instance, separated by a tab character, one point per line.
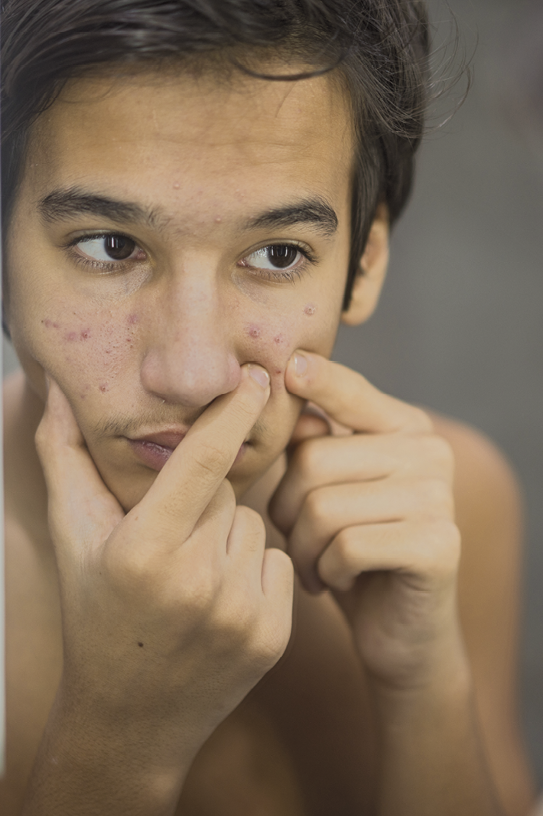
111	247
274	257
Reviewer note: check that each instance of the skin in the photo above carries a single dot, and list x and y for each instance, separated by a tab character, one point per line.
191	336
103	338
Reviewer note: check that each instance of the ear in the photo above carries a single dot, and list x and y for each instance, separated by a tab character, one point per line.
372	271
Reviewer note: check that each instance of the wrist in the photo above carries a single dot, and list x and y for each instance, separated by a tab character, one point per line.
86	751
436	663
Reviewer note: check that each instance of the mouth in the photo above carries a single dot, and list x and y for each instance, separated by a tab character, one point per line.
154	450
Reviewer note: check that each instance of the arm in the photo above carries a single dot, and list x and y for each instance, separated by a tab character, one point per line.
153	661
370	515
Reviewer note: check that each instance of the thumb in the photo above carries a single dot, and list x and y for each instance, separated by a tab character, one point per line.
81	508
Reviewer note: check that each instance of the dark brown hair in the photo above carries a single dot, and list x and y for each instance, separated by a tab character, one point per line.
379	47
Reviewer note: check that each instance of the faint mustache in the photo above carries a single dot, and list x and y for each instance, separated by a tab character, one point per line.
148	423
134	426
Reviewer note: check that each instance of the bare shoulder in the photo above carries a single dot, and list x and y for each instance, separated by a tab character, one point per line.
488	507
486	489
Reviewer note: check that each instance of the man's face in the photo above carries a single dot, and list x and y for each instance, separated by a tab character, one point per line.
167	231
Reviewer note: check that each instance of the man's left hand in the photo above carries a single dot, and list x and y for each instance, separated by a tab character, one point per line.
369	514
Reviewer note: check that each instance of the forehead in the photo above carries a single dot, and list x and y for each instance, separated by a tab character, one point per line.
221	141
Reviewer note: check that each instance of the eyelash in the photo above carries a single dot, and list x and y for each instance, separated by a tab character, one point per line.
104	266
120	266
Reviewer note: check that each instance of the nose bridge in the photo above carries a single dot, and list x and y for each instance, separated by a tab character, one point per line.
189	359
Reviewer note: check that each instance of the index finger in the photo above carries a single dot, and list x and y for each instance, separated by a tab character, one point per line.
197	467
349	398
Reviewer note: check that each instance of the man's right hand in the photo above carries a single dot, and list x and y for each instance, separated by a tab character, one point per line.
172	612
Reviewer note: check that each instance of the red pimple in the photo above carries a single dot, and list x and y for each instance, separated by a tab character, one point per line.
279	339
278	371
310	309
133	318
50	324
253	331
104	387
70	336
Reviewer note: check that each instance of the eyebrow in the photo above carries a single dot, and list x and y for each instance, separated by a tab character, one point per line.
69	203
314	212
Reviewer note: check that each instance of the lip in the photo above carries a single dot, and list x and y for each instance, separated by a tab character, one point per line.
155	449
166	439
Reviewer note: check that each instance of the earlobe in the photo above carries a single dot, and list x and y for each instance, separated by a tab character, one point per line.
373	268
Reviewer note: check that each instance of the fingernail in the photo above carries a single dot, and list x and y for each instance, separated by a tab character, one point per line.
300	364
260	375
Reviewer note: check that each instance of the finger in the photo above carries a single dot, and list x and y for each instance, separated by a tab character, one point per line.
308	426
349	398
214	525
81	508
357	458
247	539
428	552
278	590
327	510
194	471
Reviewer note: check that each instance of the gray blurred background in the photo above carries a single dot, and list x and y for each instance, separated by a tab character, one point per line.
460	326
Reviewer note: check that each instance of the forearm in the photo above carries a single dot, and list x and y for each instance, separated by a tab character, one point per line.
87	766
432	757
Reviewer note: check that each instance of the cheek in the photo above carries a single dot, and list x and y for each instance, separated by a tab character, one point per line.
87	354
271	341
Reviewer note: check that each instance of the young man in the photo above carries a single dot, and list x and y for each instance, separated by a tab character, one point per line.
195	193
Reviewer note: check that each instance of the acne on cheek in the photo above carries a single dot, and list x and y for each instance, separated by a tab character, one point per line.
273	344
99	348
253	331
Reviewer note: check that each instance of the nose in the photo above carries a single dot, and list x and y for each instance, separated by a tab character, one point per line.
189	358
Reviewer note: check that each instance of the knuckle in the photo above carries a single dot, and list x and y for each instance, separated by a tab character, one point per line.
345	546
251	519
225	494
440	452
128	573
200	594
234	621
316	506
210	459
250	527
307	458
442	544
274	647
436	497
270	644
420	421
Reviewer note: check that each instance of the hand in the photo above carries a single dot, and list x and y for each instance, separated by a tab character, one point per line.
370	516
172	612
